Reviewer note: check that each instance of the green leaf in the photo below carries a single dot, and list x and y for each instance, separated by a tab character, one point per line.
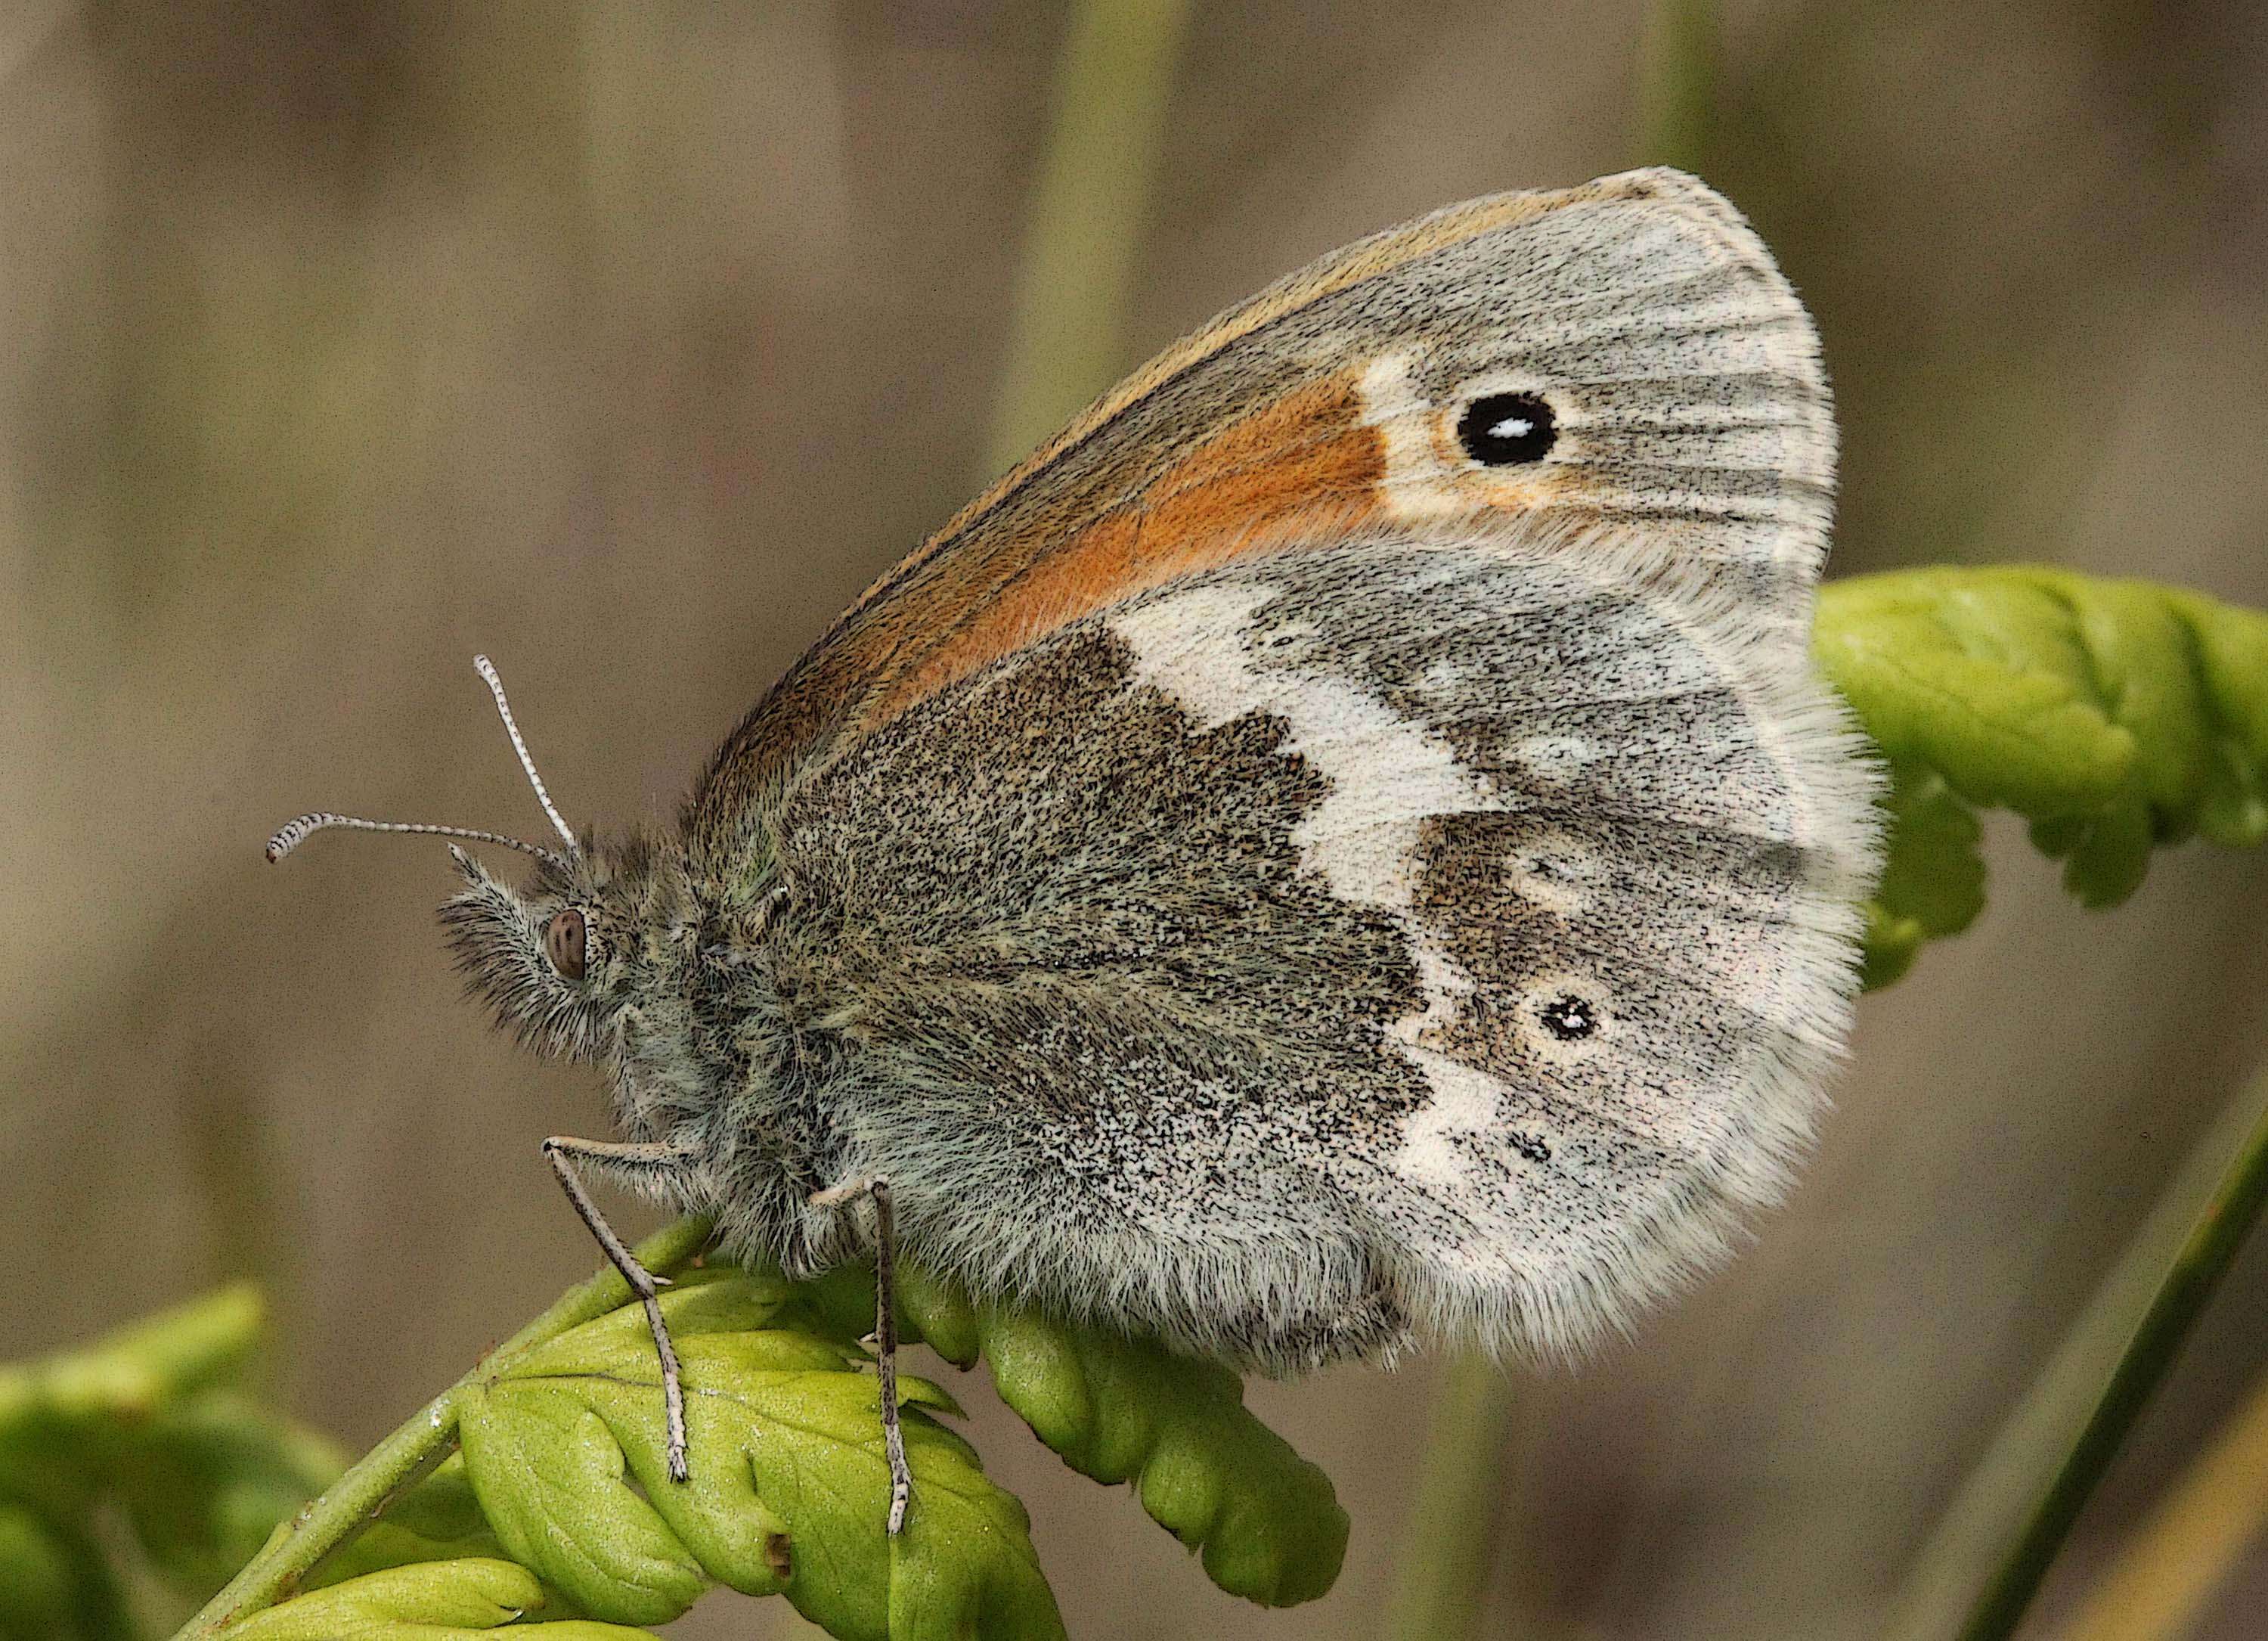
128	1374
205	1482
1266	1522
51	1589
1932	874
430	1602
2111	716
143	1422
788	1492
68	1421
561	1467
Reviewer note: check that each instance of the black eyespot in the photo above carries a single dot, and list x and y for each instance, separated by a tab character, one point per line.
1504	429
564	943
1569	1019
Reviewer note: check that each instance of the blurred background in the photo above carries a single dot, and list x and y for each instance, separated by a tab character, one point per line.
627	343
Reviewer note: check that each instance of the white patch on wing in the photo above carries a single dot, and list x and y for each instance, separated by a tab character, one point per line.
1556	758
1392	404
1445	675
1387	773
1555	872
1414	487
1465	1101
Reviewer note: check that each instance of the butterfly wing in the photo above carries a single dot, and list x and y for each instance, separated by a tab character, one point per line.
1686	387
1270	875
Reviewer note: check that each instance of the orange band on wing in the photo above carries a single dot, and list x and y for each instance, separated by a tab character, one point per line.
1306	463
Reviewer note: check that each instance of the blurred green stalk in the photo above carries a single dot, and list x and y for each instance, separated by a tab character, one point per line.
1971	1535
1449	1538
1677	69
2196	1270
1067	341
2171	1568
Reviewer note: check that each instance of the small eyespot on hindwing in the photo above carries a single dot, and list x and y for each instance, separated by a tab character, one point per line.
1569	1019
1505	429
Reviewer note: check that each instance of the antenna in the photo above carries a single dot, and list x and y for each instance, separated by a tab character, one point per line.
292	833
504	709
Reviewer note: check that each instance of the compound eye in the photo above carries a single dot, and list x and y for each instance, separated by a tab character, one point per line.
566	942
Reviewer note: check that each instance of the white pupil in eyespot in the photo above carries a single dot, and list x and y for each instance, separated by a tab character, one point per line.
1513	428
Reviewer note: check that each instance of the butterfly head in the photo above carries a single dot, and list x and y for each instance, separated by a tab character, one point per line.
564	959
567	959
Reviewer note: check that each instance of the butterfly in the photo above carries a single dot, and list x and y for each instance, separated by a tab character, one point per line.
1342	847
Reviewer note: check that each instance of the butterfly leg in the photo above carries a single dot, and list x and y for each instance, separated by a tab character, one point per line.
630	1162
885	1331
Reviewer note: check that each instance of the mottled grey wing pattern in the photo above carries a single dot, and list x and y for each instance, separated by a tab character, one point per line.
1266	873
1410	930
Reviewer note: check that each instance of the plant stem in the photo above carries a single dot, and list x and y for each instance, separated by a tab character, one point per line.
1067	341
1677	69
1448	1540
1971	1535
363	1492
2175	1564
2197	1270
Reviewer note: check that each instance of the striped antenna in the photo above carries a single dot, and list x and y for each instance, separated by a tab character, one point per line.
504	709
292	833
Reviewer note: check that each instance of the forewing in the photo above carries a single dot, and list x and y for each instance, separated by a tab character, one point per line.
1682	375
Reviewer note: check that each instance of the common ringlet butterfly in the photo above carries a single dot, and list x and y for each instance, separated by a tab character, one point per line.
1345	846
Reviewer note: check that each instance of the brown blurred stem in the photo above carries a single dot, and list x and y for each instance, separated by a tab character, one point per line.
2196	1271
351	1500
1067	341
